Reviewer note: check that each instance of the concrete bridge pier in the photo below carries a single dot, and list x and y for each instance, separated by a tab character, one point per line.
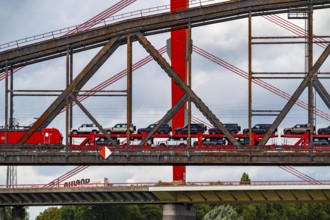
179	212
2	213
18	212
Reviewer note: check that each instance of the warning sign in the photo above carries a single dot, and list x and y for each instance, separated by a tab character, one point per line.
105	152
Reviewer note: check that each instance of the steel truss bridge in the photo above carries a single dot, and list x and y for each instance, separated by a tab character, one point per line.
149	193
112	36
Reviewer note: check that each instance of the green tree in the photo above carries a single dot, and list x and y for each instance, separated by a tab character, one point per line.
83	212
288	211
284	211
117	212
52	213
67	213
250	212
245	179
202	210
151	212
222	212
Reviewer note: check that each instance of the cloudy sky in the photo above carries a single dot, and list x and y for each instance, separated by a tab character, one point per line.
222	90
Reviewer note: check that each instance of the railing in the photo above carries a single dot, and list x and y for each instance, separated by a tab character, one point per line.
103	22
171	184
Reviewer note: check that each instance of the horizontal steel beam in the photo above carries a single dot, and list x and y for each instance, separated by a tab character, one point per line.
40	156
225	11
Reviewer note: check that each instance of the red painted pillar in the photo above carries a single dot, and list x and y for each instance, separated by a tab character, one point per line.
178	62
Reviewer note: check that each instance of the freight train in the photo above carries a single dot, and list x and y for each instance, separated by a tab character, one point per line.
167	140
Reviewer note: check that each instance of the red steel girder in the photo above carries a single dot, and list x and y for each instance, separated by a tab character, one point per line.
178	63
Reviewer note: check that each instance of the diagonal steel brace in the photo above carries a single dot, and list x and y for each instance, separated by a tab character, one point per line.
93	119
296	94
322	91
167	117
181	84
76	84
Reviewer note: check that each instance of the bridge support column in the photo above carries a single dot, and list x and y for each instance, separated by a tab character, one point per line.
179	212
2	213
18	212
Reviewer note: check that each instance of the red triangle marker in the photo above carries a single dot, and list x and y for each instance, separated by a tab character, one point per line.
105	152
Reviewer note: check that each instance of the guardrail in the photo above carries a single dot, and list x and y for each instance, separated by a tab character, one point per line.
99	23
171	184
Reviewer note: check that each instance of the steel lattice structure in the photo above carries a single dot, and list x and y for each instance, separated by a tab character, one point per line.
111	37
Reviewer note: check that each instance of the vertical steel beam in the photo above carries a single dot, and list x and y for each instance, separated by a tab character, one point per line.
11	100
70	81
178	63
189	40
250	76
129	88
6	106
310	84
89	115
296	94
67	105
197	101
8	176
77	84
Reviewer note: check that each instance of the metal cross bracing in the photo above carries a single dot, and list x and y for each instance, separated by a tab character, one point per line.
311	72
155	54
147	59
274	18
